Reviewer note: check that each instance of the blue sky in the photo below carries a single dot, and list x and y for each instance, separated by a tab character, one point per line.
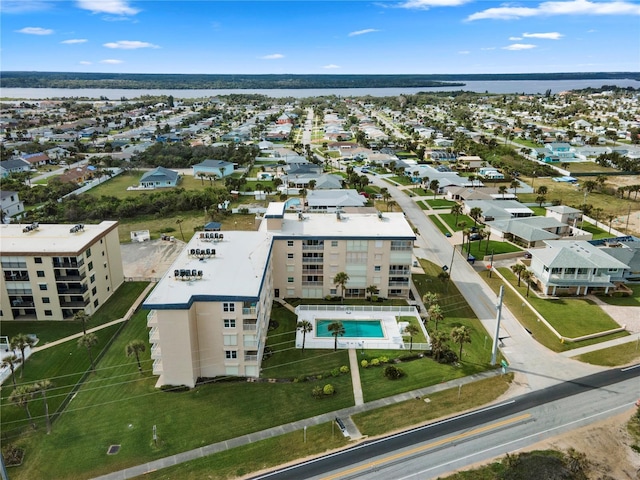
315	37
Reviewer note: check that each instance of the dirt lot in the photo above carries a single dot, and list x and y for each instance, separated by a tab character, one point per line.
149	260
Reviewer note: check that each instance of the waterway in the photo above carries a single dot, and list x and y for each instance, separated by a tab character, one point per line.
497	86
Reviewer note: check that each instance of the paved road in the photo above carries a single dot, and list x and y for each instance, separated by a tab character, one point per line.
443	446
541	366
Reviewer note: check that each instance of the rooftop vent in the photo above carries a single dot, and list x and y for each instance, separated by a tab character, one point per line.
30	228
187	275
77	228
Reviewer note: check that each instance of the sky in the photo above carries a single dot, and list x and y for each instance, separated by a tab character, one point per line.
320	37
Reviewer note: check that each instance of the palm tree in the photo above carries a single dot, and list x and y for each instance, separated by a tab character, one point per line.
514	184
411	330
540	199
179	222
21	341
456	210
488	234
312	184
460	335
303	194
305	326
88	341
372	290
336	329
341	280
611	217
390	205
518	268
201	175
542	190
41	387
81	316
134	348
430	298
436	314
502	190
384	191
438	344
527	275
433	186
20	397
475	213
11	361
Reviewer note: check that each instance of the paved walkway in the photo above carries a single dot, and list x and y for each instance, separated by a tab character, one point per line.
343	414
355	377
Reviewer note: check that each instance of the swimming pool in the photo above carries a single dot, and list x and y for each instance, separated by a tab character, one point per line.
352	328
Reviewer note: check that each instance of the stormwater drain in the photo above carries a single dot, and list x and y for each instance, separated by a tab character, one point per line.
113	449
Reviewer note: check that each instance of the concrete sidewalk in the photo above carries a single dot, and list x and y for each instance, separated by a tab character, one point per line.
290	427
599	346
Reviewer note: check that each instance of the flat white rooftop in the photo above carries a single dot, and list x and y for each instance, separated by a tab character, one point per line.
234	273
49	238
350	225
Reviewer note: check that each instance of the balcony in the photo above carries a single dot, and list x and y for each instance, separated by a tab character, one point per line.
73	276
156	353
249	311
250	326
157	367
20	302
312	260
75	290
312	271
250	357
67	263
16	277
250	343
312	247
400	272
312	284
75	303
399	284
152	319
154	335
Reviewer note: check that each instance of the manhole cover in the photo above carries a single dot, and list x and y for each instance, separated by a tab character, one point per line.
113	449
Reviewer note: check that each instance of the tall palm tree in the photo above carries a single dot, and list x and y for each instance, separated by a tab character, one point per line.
303	194
456	210
134	348
527	275
179	222
82	317
11	361
390	205
21	341
341	280
438	344
475	213
436	314
88	341
460	335
515	184
20	397
518	268
41	387
430	298
411	330
201	176
372	290
337	330
433	185
502	190
305	326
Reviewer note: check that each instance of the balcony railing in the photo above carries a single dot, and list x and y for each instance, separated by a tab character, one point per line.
313	247
71	277
251	358
74	303
249	311
311	271
157	367
312	260
312	284
154	335
250	326
152	318
156	352
400	272
399	284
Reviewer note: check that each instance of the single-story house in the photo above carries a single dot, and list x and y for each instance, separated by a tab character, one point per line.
37	159
498	209
15	165
159	177
575	268
213	167
330	200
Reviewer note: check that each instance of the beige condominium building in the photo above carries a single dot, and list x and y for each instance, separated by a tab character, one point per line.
210	313
52	271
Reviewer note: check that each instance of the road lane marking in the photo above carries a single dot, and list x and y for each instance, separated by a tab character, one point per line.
437	443
629	368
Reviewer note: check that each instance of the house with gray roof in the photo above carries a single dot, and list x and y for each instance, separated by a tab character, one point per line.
331	200
498	209
159	177
575	267
10	204
15	165
220	168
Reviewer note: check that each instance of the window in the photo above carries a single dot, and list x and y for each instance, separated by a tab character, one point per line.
92	278
90	266
289	243
40	273
228	307
289	255
229	323
333	291
42	286
94	290
291	268
230	354
289	279
48	313
88	252
334	243
96	303
37	259
377	268
46	300
230	340
378	244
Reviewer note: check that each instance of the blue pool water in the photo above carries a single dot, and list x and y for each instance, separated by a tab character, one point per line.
353	328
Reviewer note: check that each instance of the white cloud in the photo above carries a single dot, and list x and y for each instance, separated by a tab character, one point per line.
129	45
515	39
331	66
519	46
111	61
362	32
84	62
488	48
72	41
35	31
23	6
273	56
546	36
464	52
426	4
116	7
572	7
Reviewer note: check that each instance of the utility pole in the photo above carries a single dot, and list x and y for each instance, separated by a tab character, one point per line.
494	350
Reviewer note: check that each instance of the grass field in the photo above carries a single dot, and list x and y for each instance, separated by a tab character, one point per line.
619	355
440	203
436	221
632	301
482	249
450	220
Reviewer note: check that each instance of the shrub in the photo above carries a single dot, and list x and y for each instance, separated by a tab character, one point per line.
364	364
12	456
345	369
392	372
243	210
335	372
384	359
301	378
375	362
328	389
317	391
318	377
449	357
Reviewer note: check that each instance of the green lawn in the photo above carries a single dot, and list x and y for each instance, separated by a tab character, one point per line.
632	301
436	221
440	203
450	220
624	354
423	205
597	233
539	211
480	249
401	179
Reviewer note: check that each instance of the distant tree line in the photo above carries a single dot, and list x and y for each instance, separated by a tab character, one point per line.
181	155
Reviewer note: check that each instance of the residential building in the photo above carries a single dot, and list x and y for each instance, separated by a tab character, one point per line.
52	271
16	165
219	168
330	200
210	312
575	267
11	205
159	177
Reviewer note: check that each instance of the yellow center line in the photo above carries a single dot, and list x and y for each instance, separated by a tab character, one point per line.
428	446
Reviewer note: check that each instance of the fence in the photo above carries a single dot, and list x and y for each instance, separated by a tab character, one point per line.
358	308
